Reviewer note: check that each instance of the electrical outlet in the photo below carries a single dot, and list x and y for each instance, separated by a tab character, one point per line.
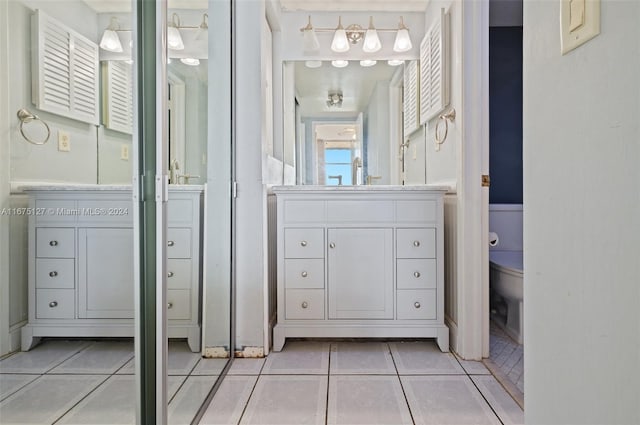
124	152
64	141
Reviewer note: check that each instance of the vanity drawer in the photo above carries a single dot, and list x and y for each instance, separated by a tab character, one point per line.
304	304
416	304
416	243
55	242
178	304
55	273
416	273
304	273
178	242
179	273
304	243
55	303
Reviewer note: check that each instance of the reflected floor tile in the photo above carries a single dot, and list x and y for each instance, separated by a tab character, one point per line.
423	358
128	368
230	400
361	358
446	400
186	403
282	400
42	358
299	358
505	407
473	367
367	400
51	395
104	357
246	367
12	383
211	367
181	359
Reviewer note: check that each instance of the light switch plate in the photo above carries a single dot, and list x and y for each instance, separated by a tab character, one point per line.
579	22
64	141
124	152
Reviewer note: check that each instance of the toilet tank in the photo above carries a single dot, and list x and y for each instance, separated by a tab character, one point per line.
506	221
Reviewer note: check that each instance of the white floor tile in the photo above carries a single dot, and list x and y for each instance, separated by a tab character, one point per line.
474	367
103	357
506	408
127	369
445	400
350	358
230	400
299	358
423	358
42	358
12	383
47	399
283	400
211	367
186	403
246	367
181	359
366	400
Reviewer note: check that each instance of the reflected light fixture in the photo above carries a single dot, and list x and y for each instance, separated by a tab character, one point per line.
403	41
335	99
352	34
339	63
371	40
311	43
203	28
395	62
174	39
313	64
110	40
190	61
367	63
340	43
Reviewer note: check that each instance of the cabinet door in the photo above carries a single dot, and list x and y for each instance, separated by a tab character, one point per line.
360	273
105	281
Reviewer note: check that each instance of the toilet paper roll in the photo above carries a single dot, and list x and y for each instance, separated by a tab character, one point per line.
493	239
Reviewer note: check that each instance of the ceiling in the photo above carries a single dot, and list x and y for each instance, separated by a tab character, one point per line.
114	6
355	5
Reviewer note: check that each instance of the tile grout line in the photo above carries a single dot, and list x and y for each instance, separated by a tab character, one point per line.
81	399
20	388
404	393
485	399
244	410
326	408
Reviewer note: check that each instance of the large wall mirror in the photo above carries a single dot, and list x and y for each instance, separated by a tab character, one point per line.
343	124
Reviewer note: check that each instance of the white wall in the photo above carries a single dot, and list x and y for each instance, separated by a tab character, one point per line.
582	219
377	140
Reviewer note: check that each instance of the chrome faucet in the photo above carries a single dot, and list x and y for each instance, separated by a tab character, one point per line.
339	177
174	166
369	178
356	169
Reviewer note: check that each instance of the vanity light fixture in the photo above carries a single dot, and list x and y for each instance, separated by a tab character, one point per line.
110	40
313	64
367	63
339	63
352	34
174	39
395	62
335	99
190	61
203	28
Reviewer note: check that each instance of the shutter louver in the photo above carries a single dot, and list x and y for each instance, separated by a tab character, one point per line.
434	69
117	96
410	98
64	69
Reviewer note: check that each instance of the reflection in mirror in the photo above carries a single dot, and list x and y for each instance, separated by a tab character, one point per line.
345	123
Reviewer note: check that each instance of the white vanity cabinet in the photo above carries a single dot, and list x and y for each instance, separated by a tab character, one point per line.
360	261
81	268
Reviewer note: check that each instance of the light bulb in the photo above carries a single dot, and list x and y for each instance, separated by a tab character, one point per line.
371	40
190	61
313	64
367	63
395	62
340	43
339	63
403	41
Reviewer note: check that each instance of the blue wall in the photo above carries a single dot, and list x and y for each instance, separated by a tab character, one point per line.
505	111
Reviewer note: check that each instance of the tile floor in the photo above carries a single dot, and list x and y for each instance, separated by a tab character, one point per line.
507	355
92	382
373	382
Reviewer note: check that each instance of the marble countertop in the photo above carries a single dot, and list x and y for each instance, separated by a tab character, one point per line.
362	188
17	187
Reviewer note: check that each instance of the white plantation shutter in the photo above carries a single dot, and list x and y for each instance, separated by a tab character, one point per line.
434	69
64	70
410	97
117	95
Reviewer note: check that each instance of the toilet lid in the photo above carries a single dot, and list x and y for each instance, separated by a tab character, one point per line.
508	259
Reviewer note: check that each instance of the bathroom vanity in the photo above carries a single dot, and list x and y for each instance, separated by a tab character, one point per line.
360	261
81	267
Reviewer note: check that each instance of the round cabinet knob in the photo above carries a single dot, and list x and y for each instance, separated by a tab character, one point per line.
416	243
305	304
53	304
169	305
303	243
304	274
416	274
170	274
332	245
170	243
416	304
53	243
53	273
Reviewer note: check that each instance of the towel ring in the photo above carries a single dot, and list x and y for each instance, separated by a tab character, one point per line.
449	116
26	117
